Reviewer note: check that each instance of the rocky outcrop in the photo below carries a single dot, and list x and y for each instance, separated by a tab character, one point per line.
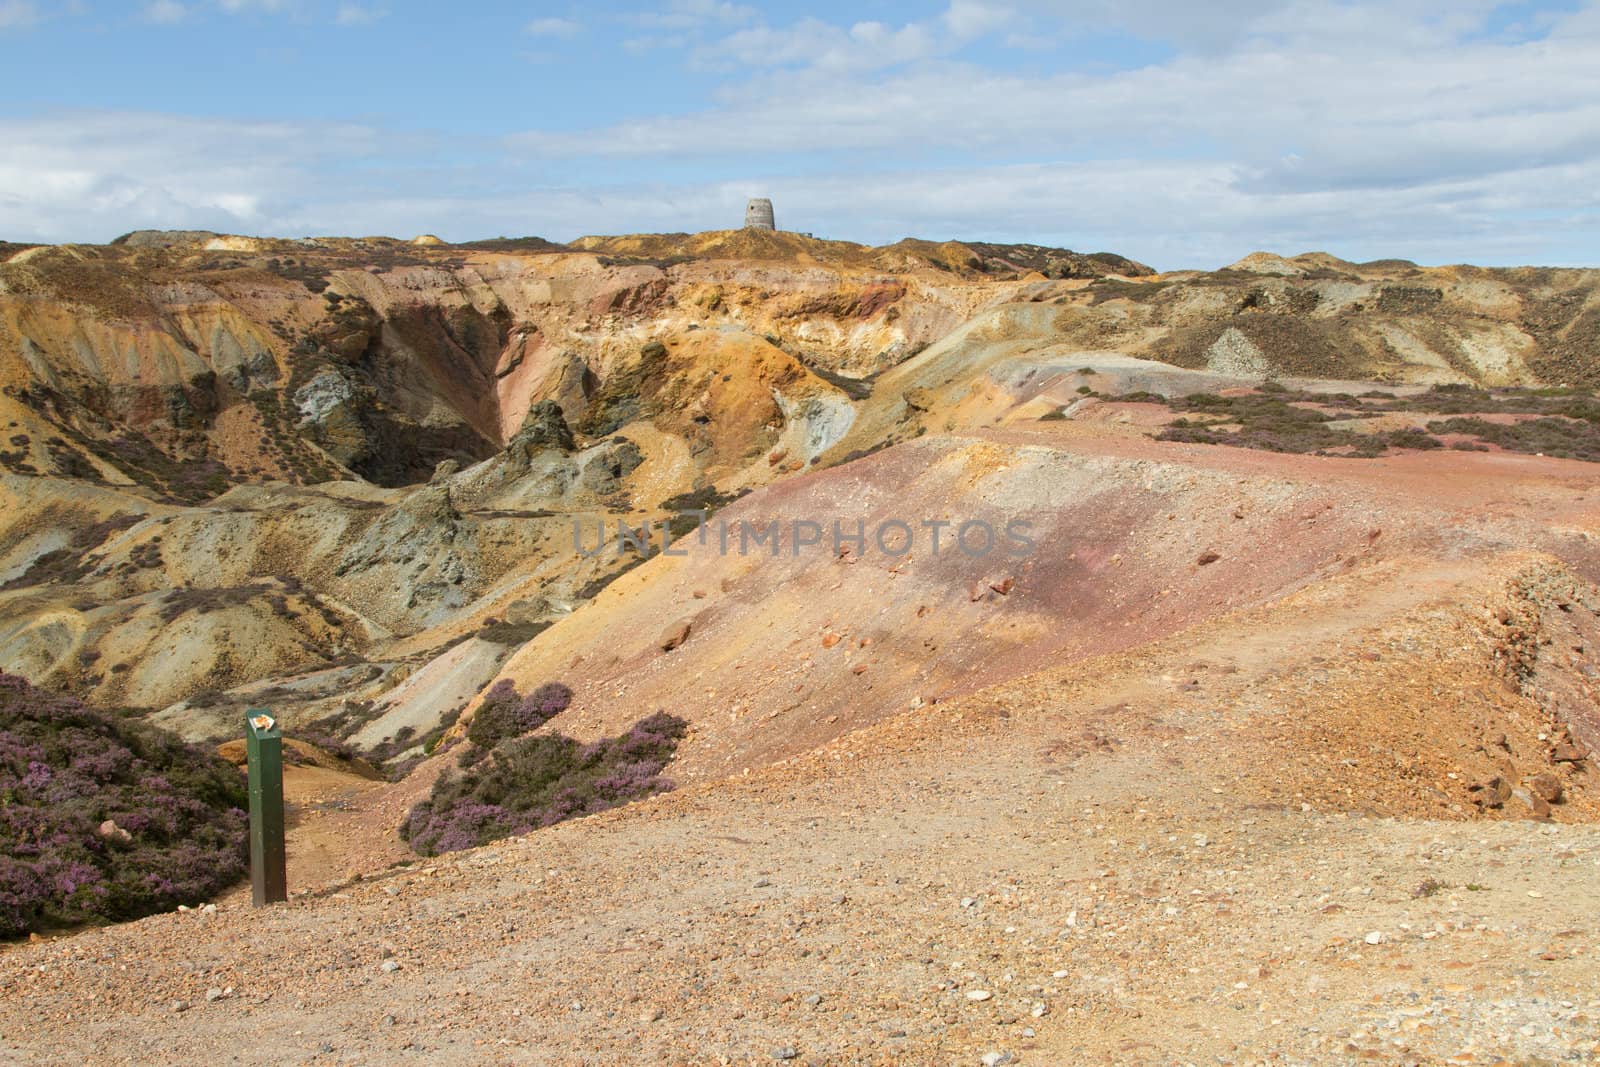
544	427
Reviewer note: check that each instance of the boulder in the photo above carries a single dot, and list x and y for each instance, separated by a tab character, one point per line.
675	635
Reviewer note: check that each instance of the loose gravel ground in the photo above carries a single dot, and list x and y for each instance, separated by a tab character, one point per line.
1121	861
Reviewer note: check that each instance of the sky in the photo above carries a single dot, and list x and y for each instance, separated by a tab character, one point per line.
1181	134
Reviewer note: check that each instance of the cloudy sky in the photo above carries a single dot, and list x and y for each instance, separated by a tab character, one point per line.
1176	132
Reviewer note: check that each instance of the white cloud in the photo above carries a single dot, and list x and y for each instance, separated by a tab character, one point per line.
16	14
553	27
357	15
822	45
91	175
236	7
1418	106
1287	124
165	12
693	14
967	19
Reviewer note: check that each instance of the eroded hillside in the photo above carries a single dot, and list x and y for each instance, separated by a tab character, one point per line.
1285	625
352	477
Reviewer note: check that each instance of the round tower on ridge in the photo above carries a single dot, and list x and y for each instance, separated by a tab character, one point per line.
758	215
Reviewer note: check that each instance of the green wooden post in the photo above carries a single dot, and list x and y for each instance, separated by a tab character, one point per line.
264	744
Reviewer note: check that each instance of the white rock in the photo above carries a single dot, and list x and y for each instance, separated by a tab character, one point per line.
978	994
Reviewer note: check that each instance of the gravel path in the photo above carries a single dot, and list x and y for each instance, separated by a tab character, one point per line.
1121	861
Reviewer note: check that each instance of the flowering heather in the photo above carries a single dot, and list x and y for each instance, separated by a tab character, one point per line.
104	819
537	781
504	714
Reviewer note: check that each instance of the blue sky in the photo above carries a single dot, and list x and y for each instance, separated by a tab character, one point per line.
1180	134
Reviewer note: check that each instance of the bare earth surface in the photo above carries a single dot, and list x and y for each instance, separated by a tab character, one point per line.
1261	758
1141	858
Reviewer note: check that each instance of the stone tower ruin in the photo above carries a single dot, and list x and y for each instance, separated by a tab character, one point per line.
758	215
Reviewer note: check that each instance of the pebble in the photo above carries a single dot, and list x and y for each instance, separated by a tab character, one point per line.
390	966
762	883
785	1052
978	994
1374	938
214	994
180	1005
995	1059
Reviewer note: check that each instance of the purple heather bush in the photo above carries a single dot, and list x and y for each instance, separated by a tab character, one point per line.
531	782
66	771
504	714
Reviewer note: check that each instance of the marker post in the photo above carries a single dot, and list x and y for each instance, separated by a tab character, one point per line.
264	745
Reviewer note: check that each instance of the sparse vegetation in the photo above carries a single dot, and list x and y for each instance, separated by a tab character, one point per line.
1562	422
504	714
511	634
1428	887
103	819
71	563
510	784
1563	437
182	601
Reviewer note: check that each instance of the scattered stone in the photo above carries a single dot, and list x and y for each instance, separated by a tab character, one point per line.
995	1059
1537	806
110	831
785	1052
979	995
180	1005
1374	938
390	966
1546	787
675	636
1207	558
762	883
214	994
1492	793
